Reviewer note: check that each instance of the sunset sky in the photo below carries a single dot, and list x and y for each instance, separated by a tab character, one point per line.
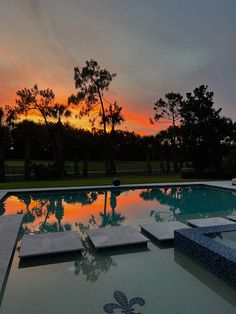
155	46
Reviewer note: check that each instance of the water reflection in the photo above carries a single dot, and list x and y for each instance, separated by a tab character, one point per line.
91	264
2	207
47	211
51	212
45	208
108	217
88	263
189	201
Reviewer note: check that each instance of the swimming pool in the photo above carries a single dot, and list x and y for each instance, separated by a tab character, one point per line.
163	279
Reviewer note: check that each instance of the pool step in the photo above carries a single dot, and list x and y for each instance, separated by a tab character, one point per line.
50	243
162	231
111	237
209	222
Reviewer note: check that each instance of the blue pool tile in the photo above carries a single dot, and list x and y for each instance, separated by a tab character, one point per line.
214	256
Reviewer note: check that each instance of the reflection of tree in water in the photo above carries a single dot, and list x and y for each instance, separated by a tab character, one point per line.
109	217
83	197
50	205
189	200
46	206
29	215
91	264
2	207
54	206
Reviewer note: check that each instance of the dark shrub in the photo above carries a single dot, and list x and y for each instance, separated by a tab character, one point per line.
44	171
228	166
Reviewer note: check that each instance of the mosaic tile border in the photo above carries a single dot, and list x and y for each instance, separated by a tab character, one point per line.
214	256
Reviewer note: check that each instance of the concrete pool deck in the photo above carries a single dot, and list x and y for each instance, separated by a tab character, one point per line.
9	229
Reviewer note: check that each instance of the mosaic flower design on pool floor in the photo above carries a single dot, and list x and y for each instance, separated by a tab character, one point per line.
123	304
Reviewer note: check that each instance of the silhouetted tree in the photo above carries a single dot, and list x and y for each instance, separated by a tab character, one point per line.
92	81
25	132
168	110
2	144
113	115
42	101
5	126
201	128
58	112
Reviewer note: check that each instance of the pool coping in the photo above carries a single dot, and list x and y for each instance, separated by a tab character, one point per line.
214	256
10	226
214	184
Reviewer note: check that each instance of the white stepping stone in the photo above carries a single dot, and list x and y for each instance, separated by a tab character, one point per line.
9	229
115	236
163	231
209	222
50	243
232	217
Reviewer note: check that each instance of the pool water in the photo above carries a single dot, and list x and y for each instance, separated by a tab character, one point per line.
53	212
153	280
227	238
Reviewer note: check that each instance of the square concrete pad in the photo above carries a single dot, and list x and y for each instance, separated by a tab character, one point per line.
115	236
163	231
50	243
209	222
232	217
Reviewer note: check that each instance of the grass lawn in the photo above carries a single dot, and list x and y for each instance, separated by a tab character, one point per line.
17	166
90	182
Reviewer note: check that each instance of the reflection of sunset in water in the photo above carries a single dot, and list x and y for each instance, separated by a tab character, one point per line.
72	211
47	212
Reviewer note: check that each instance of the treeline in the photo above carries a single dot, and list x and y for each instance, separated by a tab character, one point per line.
198	135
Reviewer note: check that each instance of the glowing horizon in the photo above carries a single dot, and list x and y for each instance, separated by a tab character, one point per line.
154	48
129	116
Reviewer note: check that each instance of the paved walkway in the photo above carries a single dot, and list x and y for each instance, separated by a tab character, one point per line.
9	228
221	184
